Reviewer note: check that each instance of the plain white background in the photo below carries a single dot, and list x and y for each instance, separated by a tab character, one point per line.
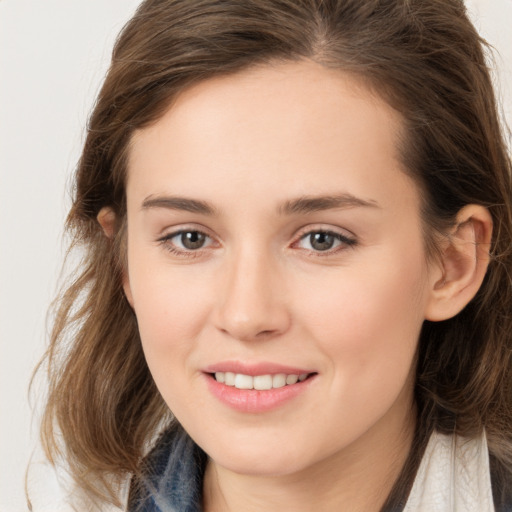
53	55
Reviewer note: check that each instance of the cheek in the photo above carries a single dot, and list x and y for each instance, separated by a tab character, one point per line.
170	316
171	306
367	327
368	318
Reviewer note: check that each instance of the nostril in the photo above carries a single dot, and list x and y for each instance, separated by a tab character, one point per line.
264	334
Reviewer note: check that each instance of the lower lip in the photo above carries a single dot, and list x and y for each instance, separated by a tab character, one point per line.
255	401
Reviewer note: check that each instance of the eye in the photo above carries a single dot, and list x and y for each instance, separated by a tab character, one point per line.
191	239
323	241
186	240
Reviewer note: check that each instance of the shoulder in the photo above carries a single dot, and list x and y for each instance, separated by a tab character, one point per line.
454	474
171	476
501	478
50	488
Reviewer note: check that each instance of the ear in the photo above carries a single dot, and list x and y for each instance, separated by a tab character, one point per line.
463	263
107	220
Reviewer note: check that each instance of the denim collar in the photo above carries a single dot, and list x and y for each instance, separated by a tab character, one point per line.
171	477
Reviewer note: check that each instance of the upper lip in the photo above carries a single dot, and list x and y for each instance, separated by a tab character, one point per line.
253	369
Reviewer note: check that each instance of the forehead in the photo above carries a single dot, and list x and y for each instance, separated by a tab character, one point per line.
296	125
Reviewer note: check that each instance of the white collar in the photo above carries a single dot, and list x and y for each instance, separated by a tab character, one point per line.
453	476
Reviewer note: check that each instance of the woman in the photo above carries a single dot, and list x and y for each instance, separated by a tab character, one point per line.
297	225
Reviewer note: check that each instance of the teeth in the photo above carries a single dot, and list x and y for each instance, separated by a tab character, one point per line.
291	379
279	380
262	382
259	382
229	378
243	381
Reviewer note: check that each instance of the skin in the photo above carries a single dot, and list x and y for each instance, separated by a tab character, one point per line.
258	291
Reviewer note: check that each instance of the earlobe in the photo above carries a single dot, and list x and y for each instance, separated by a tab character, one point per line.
107	219
463	264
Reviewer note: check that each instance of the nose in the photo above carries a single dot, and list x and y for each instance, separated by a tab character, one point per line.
252	304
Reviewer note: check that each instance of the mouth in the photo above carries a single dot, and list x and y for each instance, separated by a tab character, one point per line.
258	393
259	382
257	387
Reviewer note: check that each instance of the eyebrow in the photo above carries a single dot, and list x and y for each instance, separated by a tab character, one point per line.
310	204
301	205
179	203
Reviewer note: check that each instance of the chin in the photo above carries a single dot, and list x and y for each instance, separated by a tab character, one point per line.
252	459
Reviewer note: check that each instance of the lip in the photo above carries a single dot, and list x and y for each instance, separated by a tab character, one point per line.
253	369
253	401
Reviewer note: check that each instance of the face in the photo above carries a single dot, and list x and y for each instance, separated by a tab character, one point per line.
274	242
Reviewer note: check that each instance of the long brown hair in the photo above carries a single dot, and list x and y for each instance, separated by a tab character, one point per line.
425	59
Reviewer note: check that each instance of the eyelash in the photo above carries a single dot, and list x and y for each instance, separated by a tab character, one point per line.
187	253
345	242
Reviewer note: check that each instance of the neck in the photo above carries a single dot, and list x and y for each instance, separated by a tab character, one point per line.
359	478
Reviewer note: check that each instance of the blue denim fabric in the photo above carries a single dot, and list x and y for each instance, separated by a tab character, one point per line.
172	476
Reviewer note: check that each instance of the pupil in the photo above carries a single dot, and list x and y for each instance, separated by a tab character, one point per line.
321	241
192	239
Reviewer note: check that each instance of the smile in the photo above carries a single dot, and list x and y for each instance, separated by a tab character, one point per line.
260	392
258	382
